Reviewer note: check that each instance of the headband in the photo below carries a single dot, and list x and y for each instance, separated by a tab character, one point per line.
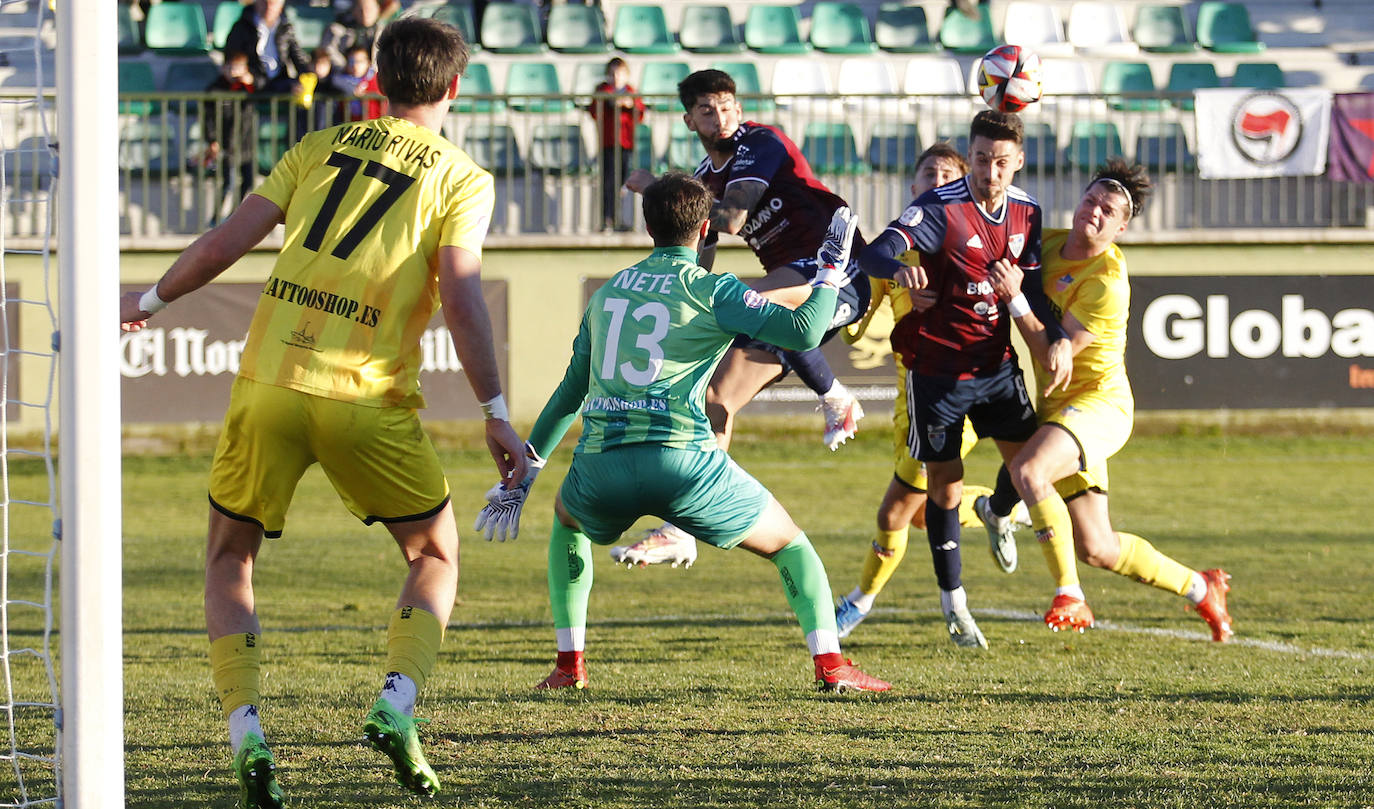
1116	185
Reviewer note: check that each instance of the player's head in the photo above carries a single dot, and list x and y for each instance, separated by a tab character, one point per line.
1115	195
994	153
937	165
675	209
419	59
711	109
617	72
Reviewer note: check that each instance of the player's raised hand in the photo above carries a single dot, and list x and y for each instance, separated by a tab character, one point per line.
638	180
1005	278
500	518
833	256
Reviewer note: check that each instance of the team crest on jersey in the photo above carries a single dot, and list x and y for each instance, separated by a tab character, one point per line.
1062	283
753	299
912	216
1016	244
936	437
974	242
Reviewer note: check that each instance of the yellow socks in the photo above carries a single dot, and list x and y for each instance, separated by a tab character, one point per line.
412	643
883	558
967	514
1139	560
236	666
1050	519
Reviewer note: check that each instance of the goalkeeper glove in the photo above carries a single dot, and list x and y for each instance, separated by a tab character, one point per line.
832	258
500	517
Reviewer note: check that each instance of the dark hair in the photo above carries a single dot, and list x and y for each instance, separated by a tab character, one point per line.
318	54
417	58
616	62
703	83
231	55
675	205
996	125
1131	177
943	150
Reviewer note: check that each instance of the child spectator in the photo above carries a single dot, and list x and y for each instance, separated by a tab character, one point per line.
616	109
231	127
360	79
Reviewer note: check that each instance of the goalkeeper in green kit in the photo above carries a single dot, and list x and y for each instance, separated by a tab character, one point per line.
649	341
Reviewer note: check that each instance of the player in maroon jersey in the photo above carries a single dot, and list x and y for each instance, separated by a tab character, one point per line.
959	354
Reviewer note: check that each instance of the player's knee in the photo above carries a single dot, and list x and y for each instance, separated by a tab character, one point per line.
1096	551
1029	479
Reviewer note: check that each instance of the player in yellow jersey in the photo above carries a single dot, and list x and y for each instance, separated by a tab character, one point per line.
904	501
384	220
1061	473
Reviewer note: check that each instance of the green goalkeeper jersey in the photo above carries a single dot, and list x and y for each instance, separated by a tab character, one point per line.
649	341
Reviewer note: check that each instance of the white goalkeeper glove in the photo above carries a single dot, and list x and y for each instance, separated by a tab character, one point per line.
833	256
500	517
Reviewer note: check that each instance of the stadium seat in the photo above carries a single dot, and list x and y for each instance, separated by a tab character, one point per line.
774	29
1163	29
1129	77
274	138
1036	26
157	146
524	79
708	29
658	84
494	148
747	83
186	76
933	76
310	22
1098	28
962	35
1225	28
643	29
901	28
839	27
587	76
1093	142
226	14
830	149
1259	76
1185	77
577	29
893	147
477	82
955	133
870	85
685	151
458	15
176	28
559	149
130	40
1040	146
802	83
1162	147
511	28
643	157
136	77
1066	77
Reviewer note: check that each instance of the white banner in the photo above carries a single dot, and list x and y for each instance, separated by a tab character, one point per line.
1262	133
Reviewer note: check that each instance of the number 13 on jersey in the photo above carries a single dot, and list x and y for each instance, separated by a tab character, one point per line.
649	342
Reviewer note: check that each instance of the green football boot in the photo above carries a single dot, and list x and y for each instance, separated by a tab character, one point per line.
257	774
393	733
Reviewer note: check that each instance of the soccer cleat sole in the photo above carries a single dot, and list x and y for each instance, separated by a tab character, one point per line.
260	789
408	775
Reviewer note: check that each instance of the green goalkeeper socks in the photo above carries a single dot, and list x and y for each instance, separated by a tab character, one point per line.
570	576
805	583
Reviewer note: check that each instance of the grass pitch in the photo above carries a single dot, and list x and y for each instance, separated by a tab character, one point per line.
700	683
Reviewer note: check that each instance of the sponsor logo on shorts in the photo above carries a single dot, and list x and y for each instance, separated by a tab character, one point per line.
936	437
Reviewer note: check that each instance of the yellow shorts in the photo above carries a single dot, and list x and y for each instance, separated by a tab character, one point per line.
907	469
379	459
1100	423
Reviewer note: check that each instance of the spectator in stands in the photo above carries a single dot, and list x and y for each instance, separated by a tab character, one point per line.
274	54
328	106
231	127
616	109
361	76
357	27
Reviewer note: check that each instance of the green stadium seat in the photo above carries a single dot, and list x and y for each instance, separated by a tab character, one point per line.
176	28
130	40
830	149
1162	147
1041	146
955	133
1093	142
1259	76
226	14
658	84
838	27
477	82
1225	28
310	23
962	35
643	157
708	29
685	151
577	29
525	79
494	148
190	77
893	147
643	29
511	28
774	29
459	15
1163	29
901	28
587	76
1185	77
1129	77
274	138
747	83
559	149
155	147
136	77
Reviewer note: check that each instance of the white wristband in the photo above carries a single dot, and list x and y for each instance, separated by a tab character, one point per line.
496	409
1018	306
150	302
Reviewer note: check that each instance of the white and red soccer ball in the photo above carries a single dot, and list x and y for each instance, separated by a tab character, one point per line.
1009	78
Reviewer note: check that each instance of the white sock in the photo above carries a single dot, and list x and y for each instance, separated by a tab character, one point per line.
837	391
242	721
1197	590
861	600
400	691
572	639
953	600
1073	591
822	642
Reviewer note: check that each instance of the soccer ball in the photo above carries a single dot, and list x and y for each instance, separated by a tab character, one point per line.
1009	78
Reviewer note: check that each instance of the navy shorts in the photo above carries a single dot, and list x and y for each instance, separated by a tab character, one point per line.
998	406
851	302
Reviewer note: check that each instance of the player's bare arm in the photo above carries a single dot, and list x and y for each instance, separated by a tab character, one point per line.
730	214
206	258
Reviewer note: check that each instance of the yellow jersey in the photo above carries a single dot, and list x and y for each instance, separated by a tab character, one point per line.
1097	292
368	205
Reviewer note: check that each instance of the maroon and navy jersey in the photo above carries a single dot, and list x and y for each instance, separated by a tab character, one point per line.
967	332
789	223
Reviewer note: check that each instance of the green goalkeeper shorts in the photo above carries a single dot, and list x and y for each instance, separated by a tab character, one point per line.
705	494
